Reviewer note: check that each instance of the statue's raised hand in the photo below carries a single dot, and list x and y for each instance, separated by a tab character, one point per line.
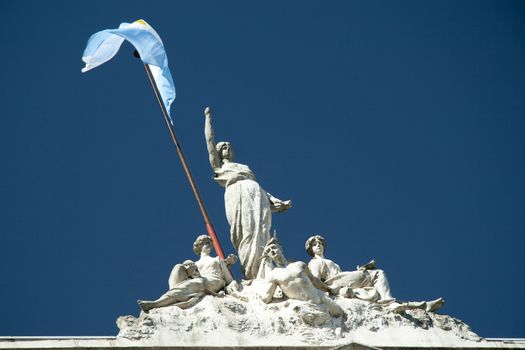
231	259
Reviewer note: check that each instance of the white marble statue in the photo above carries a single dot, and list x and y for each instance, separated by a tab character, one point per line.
295	281
214	270
187	287
289	306
366	283
248	206
190	281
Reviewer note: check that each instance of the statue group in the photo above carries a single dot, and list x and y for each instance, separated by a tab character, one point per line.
268	274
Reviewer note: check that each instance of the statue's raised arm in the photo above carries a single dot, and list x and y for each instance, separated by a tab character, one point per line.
215	161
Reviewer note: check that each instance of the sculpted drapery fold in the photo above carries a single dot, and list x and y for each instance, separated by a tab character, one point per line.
248	206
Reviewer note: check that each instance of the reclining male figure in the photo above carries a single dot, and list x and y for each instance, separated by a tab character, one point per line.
295	281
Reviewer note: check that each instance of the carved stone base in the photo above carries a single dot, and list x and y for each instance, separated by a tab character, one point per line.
228	321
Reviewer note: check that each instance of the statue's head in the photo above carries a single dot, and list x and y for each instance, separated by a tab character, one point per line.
273	250
225	150
191	269
202	243
315	245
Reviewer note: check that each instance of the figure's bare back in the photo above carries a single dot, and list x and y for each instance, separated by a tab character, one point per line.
178	274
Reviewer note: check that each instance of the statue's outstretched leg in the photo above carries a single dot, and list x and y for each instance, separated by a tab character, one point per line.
428	306
164	300
189	303
146	305
434	305
397	307
380	283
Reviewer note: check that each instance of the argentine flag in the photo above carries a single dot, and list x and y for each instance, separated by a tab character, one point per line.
102	46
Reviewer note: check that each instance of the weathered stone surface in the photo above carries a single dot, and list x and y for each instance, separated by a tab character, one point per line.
228	321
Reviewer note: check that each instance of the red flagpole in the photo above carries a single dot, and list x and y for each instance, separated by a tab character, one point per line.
209	226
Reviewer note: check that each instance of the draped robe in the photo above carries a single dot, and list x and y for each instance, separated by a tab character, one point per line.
248	212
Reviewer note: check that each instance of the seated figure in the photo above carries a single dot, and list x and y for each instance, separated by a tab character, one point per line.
366	283
187	287
295	281
190	281
214	270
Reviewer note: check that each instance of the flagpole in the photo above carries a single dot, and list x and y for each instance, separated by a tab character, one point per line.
209	226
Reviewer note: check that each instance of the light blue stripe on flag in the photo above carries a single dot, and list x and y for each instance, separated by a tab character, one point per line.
104	45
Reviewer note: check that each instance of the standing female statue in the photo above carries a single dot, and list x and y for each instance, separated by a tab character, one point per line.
248	206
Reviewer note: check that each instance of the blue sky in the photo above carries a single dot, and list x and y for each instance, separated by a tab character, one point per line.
395	127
